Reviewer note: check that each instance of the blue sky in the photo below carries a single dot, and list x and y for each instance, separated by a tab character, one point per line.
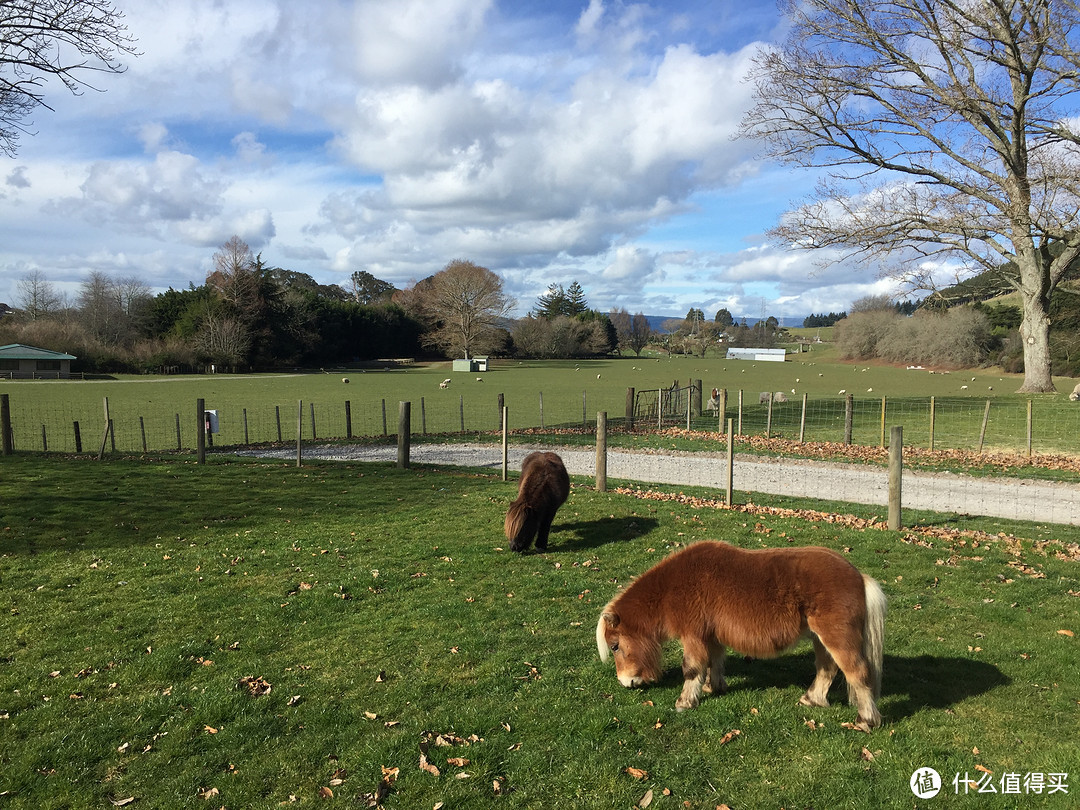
547	141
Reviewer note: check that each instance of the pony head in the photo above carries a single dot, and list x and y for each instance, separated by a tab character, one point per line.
636	654
522	522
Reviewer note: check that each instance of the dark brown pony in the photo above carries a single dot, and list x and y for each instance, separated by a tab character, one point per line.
543	489
759	602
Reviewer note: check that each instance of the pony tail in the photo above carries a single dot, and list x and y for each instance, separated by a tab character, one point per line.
874	631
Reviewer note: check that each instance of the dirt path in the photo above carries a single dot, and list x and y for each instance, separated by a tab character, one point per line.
1016	499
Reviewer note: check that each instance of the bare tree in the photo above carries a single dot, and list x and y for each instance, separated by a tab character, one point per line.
64	39
465	304
944	134
640	333
38	297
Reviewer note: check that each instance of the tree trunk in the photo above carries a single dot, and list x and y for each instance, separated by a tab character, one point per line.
1035	332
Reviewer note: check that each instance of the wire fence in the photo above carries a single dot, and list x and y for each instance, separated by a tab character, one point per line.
1010	424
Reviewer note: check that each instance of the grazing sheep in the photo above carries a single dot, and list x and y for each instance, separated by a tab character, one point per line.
1075	395
764	397
444	384
344	379
779	396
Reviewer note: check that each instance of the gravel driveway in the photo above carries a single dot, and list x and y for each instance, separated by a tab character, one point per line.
1012	498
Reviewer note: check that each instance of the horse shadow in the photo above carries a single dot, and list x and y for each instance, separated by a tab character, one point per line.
909	684
589	534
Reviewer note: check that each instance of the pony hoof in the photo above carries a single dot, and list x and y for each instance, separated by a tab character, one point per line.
806	700
682	706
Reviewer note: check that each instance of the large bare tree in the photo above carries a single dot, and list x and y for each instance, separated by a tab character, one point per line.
68	40
38	297
464	304
945	135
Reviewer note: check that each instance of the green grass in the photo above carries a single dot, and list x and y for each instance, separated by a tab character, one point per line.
380	606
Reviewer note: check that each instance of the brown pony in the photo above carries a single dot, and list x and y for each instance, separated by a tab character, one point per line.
759	602
543	489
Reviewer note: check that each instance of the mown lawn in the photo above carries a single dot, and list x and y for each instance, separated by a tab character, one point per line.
150	604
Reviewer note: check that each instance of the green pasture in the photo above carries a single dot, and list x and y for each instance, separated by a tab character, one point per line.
160	411
250	634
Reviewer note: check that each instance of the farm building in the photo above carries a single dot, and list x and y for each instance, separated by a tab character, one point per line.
775	355
18	361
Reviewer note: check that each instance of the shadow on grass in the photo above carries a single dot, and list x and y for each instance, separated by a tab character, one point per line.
909	685
589	534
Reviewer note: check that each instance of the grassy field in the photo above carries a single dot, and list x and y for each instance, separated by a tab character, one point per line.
250	634
261	408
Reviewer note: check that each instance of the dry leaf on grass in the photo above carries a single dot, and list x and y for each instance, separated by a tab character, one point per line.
460	762
121	802
731	735
645	800
209	793
326	793
638	773
427	766
1068	633
256	686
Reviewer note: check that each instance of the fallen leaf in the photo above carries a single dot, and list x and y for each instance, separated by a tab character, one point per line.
326	793
984	770
1068	633
856	727
256	686
121	802
210	730
293	700
371	715
460	762
209	793
731	735
427	766
645	800
637	773
867	755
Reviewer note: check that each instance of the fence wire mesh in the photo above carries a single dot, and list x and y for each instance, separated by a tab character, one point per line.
1010	424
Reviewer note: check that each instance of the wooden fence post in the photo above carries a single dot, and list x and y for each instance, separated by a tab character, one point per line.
802	420
721	408
982	430
5	424
601	451
348	419
505	444
883	421
404	434
200	431
896	466
246	439
768	418
739	431
933	419
78	435
849	417
730	461
628	416
384	433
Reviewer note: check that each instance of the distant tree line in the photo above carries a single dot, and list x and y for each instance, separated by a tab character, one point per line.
249	315
817	321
